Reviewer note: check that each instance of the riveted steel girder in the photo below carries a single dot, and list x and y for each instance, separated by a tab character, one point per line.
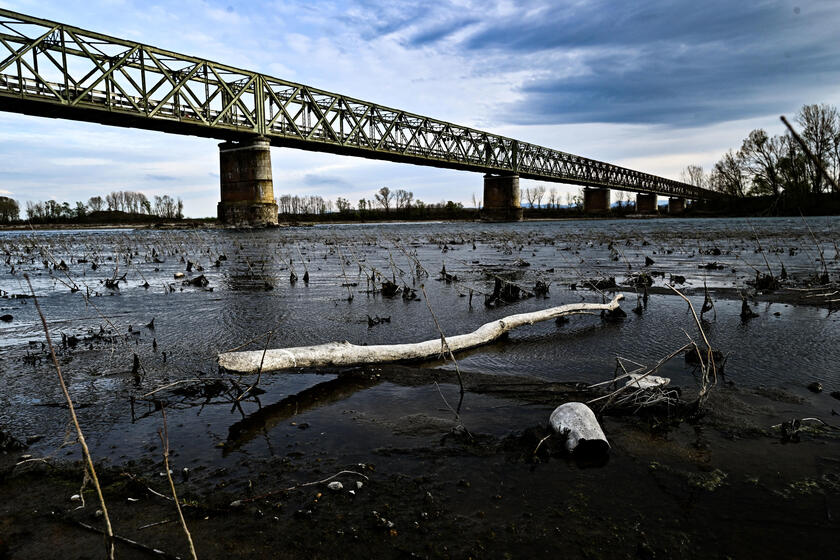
56	70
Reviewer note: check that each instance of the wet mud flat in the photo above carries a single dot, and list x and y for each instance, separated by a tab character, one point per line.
417	479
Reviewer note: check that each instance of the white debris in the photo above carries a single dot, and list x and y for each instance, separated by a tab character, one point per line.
639	381
578	423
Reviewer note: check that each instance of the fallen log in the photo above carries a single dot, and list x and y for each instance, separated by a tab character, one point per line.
347	354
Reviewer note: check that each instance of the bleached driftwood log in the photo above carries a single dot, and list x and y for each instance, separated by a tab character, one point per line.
346	354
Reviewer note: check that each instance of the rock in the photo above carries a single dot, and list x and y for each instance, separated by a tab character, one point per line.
179	275
836	395
649	261
815	387
584	435
7	318
199	282
335	486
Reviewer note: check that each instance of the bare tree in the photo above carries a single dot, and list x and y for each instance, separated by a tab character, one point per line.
729	175
384	197
9	210
539	193
761	155
95	203
693	175
553	200
343	205
530	196
819	130
403	198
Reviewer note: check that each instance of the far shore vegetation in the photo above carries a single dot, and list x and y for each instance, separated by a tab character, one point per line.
767	175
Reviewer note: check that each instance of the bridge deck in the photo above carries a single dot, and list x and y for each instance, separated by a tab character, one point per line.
54	70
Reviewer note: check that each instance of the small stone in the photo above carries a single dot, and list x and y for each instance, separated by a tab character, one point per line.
75	498
179	275
815	387
335	486
7	318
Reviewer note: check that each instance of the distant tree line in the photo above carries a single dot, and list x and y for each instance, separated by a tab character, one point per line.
532	198
386	204
117	202
775	165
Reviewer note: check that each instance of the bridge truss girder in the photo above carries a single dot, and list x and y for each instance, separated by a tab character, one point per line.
54	70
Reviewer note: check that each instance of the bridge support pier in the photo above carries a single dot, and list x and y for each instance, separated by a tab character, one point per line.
501	199
646	203
596	200
676	205
247	188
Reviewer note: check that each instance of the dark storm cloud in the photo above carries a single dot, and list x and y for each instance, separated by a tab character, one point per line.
438	32
663	62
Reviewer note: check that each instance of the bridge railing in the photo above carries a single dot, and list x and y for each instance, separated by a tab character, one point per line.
50	67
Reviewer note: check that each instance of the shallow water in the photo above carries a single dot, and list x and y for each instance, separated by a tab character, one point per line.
788	345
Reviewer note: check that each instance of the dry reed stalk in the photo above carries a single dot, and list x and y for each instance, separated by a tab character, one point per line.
164	439
109	533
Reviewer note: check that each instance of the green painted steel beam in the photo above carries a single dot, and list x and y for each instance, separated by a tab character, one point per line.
56	70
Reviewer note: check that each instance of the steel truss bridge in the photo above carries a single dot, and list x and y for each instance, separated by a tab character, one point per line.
54	70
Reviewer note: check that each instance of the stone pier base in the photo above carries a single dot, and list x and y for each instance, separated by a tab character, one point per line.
247	189
676	205
501	199
646	203
596	200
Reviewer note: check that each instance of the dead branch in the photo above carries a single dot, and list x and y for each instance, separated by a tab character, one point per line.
347	354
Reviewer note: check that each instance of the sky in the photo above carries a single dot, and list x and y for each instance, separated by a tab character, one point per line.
654	86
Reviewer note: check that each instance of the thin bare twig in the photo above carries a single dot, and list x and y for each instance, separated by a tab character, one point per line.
164	439
109	533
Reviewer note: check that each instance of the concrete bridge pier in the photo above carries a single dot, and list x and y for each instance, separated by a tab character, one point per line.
676	205
501	199
646	203
247	189
596	200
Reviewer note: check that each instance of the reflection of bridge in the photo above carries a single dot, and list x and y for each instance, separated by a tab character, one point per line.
54	70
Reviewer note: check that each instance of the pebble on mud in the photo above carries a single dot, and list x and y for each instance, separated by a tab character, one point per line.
335	486
815	387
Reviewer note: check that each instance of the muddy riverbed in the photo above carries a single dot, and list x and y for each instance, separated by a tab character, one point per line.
418	479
